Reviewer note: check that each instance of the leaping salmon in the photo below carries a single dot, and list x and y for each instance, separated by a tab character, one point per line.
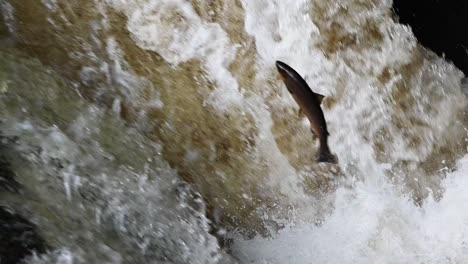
309	103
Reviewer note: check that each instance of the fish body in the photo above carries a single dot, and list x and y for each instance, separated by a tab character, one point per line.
309	103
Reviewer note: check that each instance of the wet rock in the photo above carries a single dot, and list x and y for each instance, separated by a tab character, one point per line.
439	26
18	237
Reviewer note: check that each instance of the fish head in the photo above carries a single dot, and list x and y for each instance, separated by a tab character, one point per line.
289	77
282	70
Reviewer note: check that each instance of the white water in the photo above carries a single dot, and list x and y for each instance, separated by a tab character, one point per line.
372	220
98	190
192	38
152	26
375	224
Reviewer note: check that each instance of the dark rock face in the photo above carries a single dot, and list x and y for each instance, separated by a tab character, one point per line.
18	238
440	25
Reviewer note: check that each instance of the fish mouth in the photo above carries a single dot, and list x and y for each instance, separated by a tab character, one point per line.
282	69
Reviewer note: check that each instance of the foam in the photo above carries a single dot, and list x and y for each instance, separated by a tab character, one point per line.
373	221
174	30
372	224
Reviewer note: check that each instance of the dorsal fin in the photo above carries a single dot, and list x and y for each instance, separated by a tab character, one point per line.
320	97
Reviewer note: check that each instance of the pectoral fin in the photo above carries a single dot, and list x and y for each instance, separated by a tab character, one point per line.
314	136
320	97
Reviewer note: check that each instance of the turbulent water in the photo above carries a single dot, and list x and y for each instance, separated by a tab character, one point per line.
135	126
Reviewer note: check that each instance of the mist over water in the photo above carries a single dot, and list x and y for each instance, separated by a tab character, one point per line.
134	127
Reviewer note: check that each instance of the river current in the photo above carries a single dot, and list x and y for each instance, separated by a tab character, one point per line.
158	131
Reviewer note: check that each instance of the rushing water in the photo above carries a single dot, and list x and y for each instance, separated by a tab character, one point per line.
132	126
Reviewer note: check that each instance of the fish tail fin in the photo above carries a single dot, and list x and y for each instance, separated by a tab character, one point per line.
324	154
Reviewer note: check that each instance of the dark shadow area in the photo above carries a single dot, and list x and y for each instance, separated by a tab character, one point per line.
440	25
19	237
7	176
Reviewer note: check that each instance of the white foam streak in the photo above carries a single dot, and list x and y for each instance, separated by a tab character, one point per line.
283	30
174	30
281	173
8	13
